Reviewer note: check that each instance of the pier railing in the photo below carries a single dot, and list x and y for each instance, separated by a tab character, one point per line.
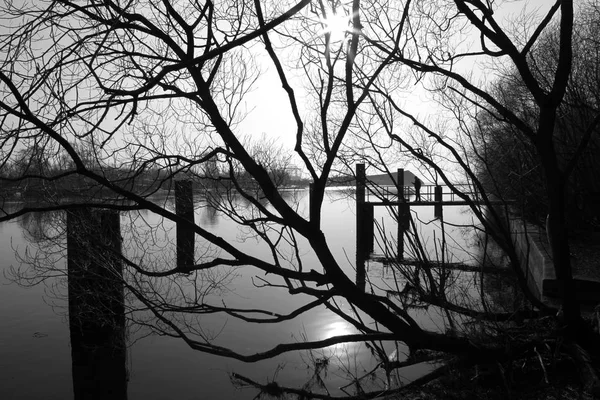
389	194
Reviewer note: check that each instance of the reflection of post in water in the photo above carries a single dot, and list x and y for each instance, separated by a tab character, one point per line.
403	226
184	207
96	304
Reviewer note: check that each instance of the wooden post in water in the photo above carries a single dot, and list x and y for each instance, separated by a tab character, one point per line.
403	212
400	184
437	208
184	207
369	227
311	188
360	225
96	304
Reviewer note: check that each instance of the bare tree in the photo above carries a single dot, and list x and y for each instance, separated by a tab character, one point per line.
538	85
159	86
433	55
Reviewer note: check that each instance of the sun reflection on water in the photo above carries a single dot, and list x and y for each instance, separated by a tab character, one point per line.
337	328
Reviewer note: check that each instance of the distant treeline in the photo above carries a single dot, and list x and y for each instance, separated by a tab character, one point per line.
49	184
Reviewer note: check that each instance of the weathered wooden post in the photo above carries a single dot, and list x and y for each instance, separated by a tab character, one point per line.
369	228
360	225
403	213
400	184
184	207
437	208
311	188
96	304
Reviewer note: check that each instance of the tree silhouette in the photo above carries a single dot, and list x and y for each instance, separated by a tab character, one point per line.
161	86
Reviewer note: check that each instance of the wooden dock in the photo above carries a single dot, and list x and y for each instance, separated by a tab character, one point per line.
390	190
531	242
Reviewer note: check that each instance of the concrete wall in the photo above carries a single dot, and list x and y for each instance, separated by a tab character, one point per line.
533	251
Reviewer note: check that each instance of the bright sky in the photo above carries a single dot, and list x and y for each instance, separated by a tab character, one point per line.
268	106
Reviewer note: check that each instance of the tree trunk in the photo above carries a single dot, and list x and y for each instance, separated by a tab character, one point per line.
558	237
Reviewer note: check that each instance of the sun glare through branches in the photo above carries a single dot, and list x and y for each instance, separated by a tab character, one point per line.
337	24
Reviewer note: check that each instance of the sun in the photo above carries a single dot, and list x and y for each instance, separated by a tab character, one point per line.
337	25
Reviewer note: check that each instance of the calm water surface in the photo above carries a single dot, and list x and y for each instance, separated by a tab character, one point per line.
35	354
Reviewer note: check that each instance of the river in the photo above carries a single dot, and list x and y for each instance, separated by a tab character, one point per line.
35	353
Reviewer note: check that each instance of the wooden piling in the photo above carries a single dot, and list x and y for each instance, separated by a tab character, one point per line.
369	227
360	225
400	184
403	213
360	209
311	189
96	304
437	208
184	207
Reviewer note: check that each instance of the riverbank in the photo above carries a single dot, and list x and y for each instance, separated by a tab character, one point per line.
548	371
542	373
536	261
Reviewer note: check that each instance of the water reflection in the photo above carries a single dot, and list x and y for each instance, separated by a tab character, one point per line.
96	305
41	227
162	365
209	216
